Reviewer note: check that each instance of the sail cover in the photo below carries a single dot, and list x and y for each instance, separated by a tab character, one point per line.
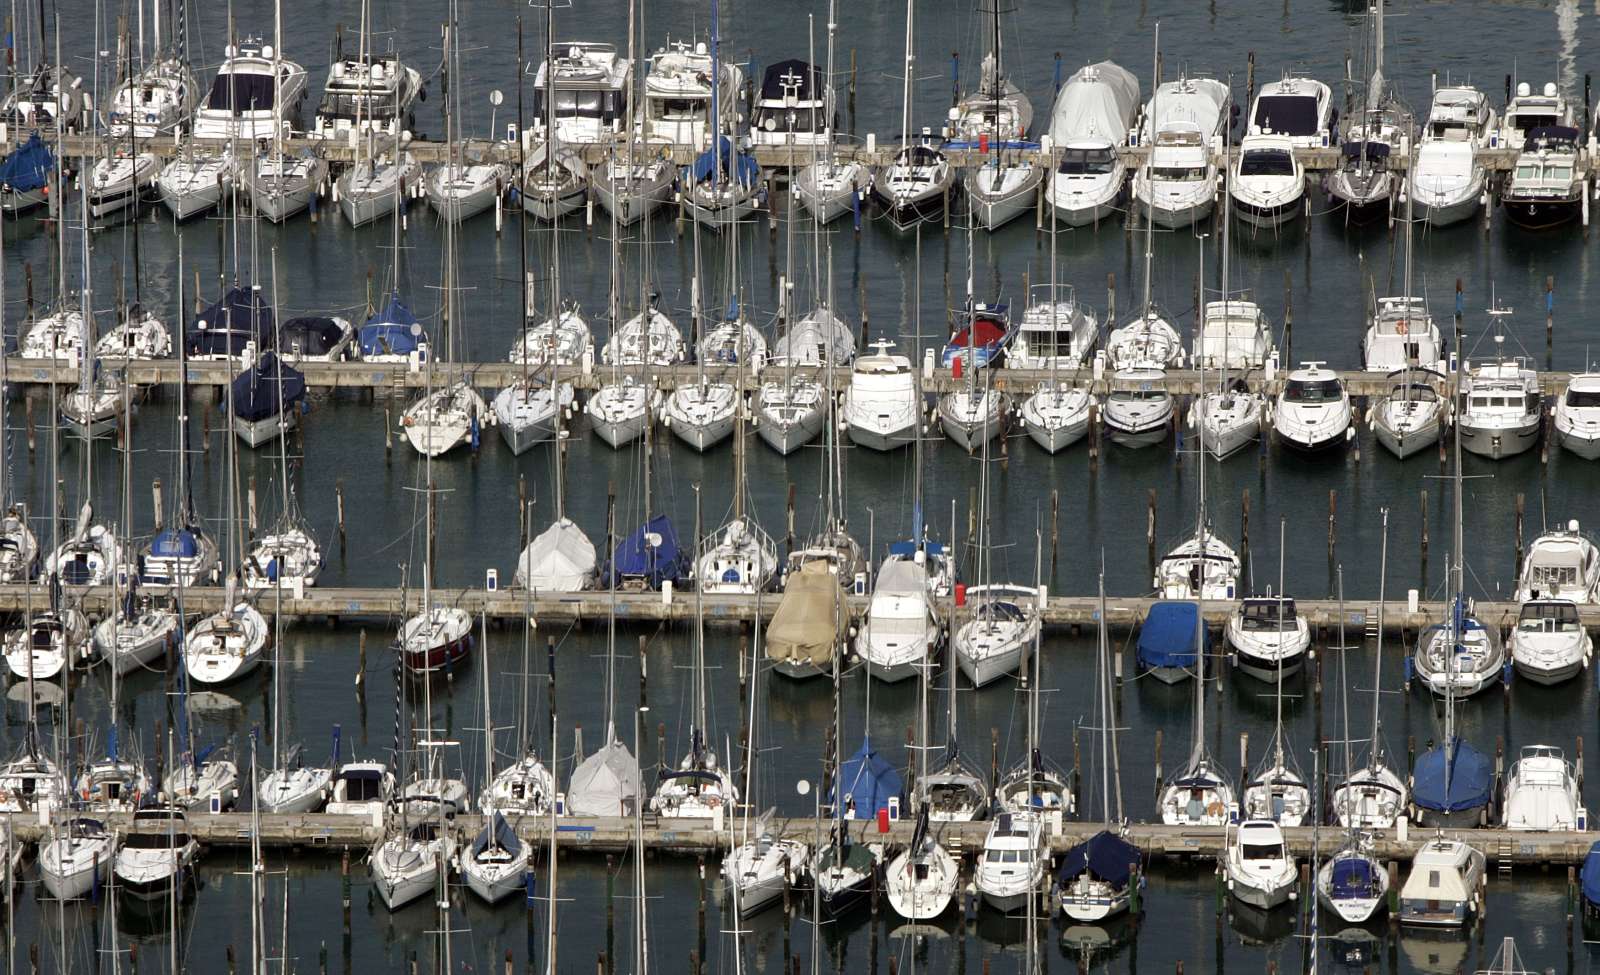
1167	638
500	834
1097	103
651	554
1591	876
560	559
1470	773
241	316
809	622
736	166
29	167
267	388
311	335
1104	856
1353	876
604	784
866	784
392	331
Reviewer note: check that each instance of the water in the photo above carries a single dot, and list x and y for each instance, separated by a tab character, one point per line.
1325	272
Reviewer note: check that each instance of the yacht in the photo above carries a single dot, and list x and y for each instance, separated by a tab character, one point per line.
1542	793
374	94
1057	331
1445	886
226	646
1463	666
1233	334
811	625
1269	639
1353	884
157	856
241	103
1146	341
900	632
794	106
194	182
1526	113
1577	416
1197	569
1014	863
1546	185
1411	417
882	408
590	82
1093	113
1400	333
1177	185
1550	644
361	789
1259	869
678	97
1298	109
923	879
1138	411
48	98
1313	411
49	644
1267	184
1561	564
1446	180
1000	634
1056	415
1500	409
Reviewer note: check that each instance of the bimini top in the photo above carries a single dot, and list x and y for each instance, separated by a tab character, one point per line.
242	316
267	388
866	784
29	167
1167	638
1471	778
650	553
392	331
736	166
791	76
313	334
1104	856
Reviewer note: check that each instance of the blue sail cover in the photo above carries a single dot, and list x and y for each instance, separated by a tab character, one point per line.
651	553
1471	777
392	331
866	783
267	388
175	543
241	317
1104	856
736	166
1167	638
1353	877
1590	876
29	167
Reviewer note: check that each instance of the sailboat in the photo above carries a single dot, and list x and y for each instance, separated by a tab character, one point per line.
1033	785
290	786
606	783
703	412
561	558
416	848
738	557
367	190
633	187
1412	417
972	415
524	787
1147	340
916	185
830	185
1101	877
1005	624
496	865
621	409
1363	187
1201	793
199	778
995	117
1276	791
922	879
464	186
281	186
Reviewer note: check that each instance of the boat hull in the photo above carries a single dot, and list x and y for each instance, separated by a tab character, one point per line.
1497	443
1541	214
257	432
1584	446
1404	443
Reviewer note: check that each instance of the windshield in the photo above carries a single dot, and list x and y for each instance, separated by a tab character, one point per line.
1267	162
1088	162
1313	391
580	103
1138	395
345	106
1583	397
155	841
791	119
1263	851
1287	114
1549	617
241	93
1178	173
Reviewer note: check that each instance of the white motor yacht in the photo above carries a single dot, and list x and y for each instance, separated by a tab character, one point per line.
882	409
1561	564
589	82
1400	333
1258	866
1445	885
1177	186
1233	334
1446	181
1014	864
370	94
677	96
1268	183
1547	182
1542	793
1313	412
1501	410
1269	639
255	91
1298	109
157	855
1577	416
1550	644
1528	111
900	632
1057	331
1089	123
360	789
1138	411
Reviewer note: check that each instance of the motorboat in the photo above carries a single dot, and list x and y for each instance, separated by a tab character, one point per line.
1171	643
1528	111
981	338
589	82
48	644
898	637
1550	644
1577	416
1445	885
794	106
882	407
1014	864
237	326
1268	183
157	856
1313	412
1501	408
1542	793
370	94
360	789
1090	121
436	640
122	181
811	625
1561	564
1138	411
1233	334
226	646
1177	185
1461	657
1546	185
444	419
316	338
997	639
1270	640
1412	416
678	96
196	180
1446	181
1400	333
256	91
1202	566
1298	109
1057	331
1259	869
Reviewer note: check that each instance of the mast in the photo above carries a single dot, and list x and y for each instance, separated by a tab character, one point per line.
1375	757
905	87
1149	224
550	897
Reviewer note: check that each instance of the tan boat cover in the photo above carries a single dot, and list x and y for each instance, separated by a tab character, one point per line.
811	618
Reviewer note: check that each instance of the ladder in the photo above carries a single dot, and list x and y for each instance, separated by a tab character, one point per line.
1505	854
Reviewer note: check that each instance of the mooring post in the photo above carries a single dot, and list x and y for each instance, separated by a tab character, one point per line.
338	503
1055	530
1158	764
250	508
155	505
1244	534
1150	529
361	660
1521	507
1111	296
1424	523
1244	756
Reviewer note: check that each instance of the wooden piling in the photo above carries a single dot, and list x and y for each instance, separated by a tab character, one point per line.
1150	529
250	509
155	503
1521	509
338	504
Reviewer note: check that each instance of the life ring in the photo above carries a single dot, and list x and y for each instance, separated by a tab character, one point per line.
1215	808
1402	327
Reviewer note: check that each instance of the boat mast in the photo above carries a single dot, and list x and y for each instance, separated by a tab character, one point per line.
1149	223
905	85
550	895
1375	756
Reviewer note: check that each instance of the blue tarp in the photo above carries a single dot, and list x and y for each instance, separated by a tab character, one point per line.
1590	876
392	331
175	543
313	335
1167	638
1471	776
267	388
866	784
736	166
1105	856
635	558
1353	876
241	317
29	167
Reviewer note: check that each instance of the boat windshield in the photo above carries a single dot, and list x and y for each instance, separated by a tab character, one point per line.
584	103
155	841
1313	391
1583	397
1178	174
1268	615
241	93
1138	395
1287	114
1549	617
1267	162
1088	162
1263	851
344	105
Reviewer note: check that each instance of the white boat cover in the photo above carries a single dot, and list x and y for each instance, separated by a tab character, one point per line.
604	784
560	559
1098	103
1189	102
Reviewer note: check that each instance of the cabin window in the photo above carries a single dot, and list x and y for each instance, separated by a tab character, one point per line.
1263	851
1088	162
241	93
1178	174
1563	173
1267	162
1527	170
1433	878
1287	114
678	108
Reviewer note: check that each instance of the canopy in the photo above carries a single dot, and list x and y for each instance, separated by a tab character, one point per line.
810	620
1104	856
392	331
1167	638
242	316
736	166
866	784
1098	102
805	78
1291	114
1471	778
560	559
1353	876
1590	875
651	553
267	388
29	167
604	784
312	335
1552	134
